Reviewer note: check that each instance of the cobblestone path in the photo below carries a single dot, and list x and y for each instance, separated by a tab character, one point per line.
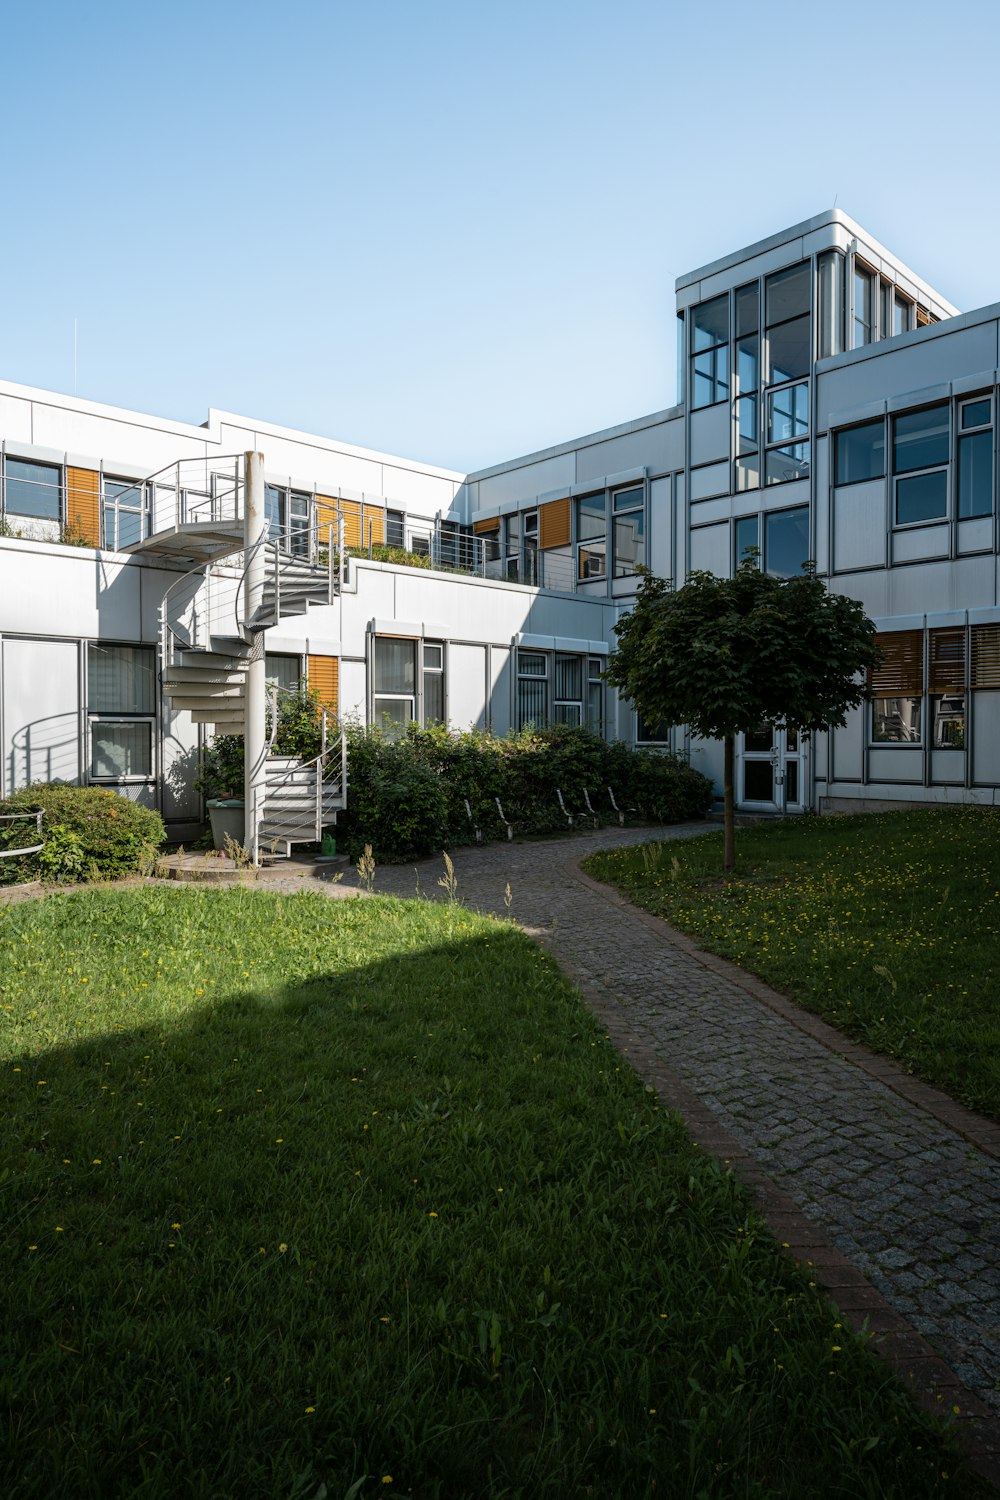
907	1200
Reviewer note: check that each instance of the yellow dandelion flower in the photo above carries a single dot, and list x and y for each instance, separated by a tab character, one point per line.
310	1410
282	1249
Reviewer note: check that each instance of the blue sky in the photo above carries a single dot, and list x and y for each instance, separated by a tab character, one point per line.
446	230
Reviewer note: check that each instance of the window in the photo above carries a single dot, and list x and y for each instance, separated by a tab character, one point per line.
628	531
394	680
532	688
787	320
32	489
860	453
680	358
975	458
531	547
787	426
567	690
947	688
285	672
710	352
595	695
830	312
121	699
864	306
897	688
126	513
559	688
396	700
746	539
920	443
651	734
274	511
299	506
434	683
395	522
591	536
747	462
786	541
902	314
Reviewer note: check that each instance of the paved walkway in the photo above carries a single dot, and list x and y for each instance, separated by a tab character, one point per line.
909	1201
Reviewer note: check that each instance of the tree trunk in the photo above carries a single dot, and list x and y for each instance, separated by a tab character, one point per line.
729	801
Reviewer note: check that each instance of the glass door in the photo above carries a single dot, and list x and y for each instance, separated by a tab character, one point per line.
769	776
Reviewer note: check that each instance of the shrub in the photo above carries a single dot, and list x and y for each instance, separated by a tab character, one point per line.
407	796
89	832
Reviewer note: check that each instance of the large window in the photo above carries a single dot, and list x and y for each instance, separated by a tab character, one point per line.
747	461
408	681
710	352
591	536
787	434
786	541
746	540
629	530
860	453
946	666
559	688
897	688
920	456
864	306
126	512
32	489
787	323
121	699
975	458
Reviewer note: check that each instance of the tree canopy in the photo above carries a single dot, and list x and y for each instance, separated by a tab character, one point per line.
726	655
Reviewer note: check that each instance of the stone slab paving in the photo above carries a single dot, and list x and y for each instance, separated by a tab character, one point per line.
902	1195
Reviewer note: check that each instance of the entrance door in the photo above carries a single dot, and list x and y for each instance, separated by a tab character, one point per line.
770	775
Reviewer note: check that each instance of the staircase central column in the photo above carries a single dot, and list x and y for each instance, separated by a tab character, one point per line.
255	723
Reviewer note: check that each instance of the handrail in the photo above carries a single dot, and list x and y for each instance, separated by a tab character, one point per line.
30	848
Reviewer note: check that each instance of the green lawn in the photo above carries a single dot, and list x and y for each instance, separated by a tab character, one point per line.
308	1198
886	925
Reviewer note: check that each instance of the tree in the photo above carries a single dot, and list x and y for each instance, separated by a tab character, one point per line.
726	655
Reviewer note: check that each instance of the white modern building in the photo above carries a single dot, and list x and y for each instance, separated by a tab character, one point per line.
832	406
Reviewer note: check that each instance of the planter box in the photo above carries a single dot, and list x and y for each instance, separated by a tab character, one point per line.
226	817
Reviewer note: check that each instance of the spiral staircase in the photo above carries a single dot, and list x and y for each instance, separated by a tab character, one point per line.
212	620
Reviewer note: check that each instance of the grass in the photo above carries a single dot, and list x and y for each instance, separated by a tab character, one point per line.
886	925
308	1198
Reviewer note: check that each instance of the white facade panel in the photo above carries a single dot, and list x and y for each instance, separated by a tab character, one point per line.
920	543
501	689
467	687
986	737
527	481
659	550
931	359
40	687
709	434
710	550
895	763
708	482
15	419
975	536
859	521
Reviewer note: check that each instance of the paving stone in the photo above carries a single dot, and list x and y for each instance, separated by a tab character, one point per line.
891	1185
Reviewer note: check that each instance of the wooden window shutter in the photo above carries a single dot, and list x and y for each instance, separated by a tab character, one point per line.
483	528
947	661
327	513
351	512
901	674
374	526
83	505
323	674
554	524
986	656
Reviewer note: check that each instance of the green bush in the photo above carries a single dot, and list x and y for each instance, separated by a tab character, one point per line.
90	833
407	795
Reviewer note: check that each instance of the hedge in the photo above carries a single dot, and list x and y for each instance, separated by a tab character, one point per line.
89	833
406	796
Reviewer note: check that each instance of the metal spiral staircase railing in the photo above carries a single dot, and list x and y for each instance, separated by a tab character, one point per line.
210	623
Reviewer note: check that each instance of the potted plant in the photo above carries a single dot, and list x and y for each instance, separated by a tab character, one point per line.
220	780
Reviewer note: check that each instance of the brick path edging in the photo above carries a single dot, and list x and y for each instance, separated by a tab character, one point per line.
933	1384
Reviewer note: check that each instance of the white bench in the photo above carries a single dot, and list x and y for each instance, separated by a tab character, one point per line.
28	848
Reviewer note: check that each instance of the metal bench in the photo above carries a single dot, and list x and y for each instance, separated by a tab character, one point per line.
508	825
28	848
621	811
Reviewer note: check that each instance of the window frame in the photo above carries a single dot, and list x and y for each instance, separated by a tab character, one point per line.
59	486
144	716
922	471
717	353
964	436
838	482
636	507
768	516
114	505
590	550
